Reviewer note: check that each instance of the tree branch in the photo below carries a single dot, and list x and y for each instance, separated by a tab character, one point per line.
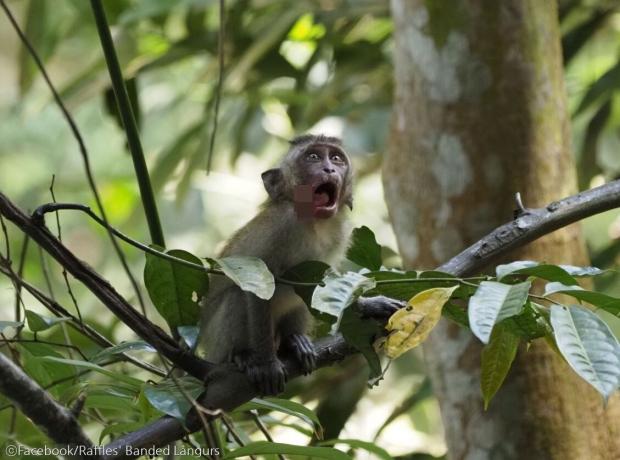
99	286
528	225
55	420
531	224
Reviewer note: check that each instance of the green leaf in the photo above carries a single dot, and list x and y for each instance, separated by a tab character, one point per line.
250	274
44	372
607	303
124	347
110	402
286	407
4	325
530	323
455	313
378	452
532	268
393	283
339	292
360	334
168	398
588	346
497	357
275	448
175	289
94	367
494	302
364	249
38	322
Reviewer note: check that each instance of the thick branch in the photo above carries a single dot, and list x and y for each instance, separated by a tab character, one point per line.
55	420
104	291
226	389
529	225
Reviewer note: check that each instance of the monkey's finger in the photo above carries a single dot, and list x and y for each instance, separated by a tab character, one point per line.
312	360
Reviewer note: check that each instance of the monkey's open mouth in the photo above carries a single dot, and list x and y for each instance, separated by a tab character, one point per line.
325	195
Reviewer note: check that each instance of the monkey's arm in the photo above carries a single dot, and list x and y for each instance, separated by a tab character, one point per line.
379	307
260	362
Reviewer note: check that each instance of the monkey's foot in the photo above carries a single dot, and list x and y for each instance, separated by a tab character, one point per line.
268	377
303	349
379	307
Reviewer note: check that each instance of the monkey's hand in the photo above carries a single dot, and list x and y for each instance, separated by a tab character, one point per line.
379	307
267	375
303	349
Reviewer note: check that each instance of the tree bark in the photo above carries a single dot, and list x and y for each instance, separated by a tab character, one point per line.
480	114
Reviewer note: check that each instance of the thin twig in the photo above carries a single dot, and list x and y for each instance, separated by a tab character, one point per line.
220	81
74	322
64	270
81	145
261	426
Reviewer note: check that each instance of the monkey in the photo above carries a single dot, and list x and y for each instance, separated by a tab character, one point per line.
304	218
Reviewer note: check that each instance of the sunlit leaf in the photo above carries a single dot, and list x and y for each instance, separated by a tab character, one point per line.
339	292
174	396
250	274
411	325
286	407
189	334
494	302
497	357
37	322
588	346
124	347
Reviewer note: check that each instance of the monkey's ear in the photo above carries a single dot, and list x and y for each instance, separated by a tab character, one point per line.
273	180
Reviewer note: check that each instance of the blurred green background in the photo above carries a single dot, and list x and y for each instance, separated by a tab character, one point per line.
290	67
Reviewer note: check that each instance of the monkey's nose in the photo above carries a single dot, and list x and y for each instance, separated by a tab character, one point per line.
329	170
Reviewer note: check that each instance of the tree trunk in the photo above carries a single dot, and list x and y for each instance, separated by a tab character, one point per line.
480	114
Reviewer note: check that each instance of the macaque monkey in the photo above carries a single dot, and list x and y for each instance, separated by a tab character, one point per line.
304	218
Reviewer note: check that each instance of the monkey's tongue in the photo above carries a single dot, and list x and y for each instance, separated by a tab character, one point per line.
320	199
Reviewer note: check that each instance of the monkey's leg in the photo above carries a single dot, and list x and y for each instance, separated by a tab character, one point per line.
379	307
261	364
292	328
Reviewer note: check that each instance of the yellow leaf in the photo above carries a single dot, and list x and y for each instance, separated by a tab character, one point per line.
411	325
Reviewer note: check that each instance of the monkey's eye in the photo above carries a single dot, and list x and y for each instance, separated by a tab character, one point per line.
313	156
337	158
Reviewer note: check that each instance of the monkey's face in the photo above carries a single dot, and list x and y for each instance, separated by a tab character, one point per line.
315	176
322	170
